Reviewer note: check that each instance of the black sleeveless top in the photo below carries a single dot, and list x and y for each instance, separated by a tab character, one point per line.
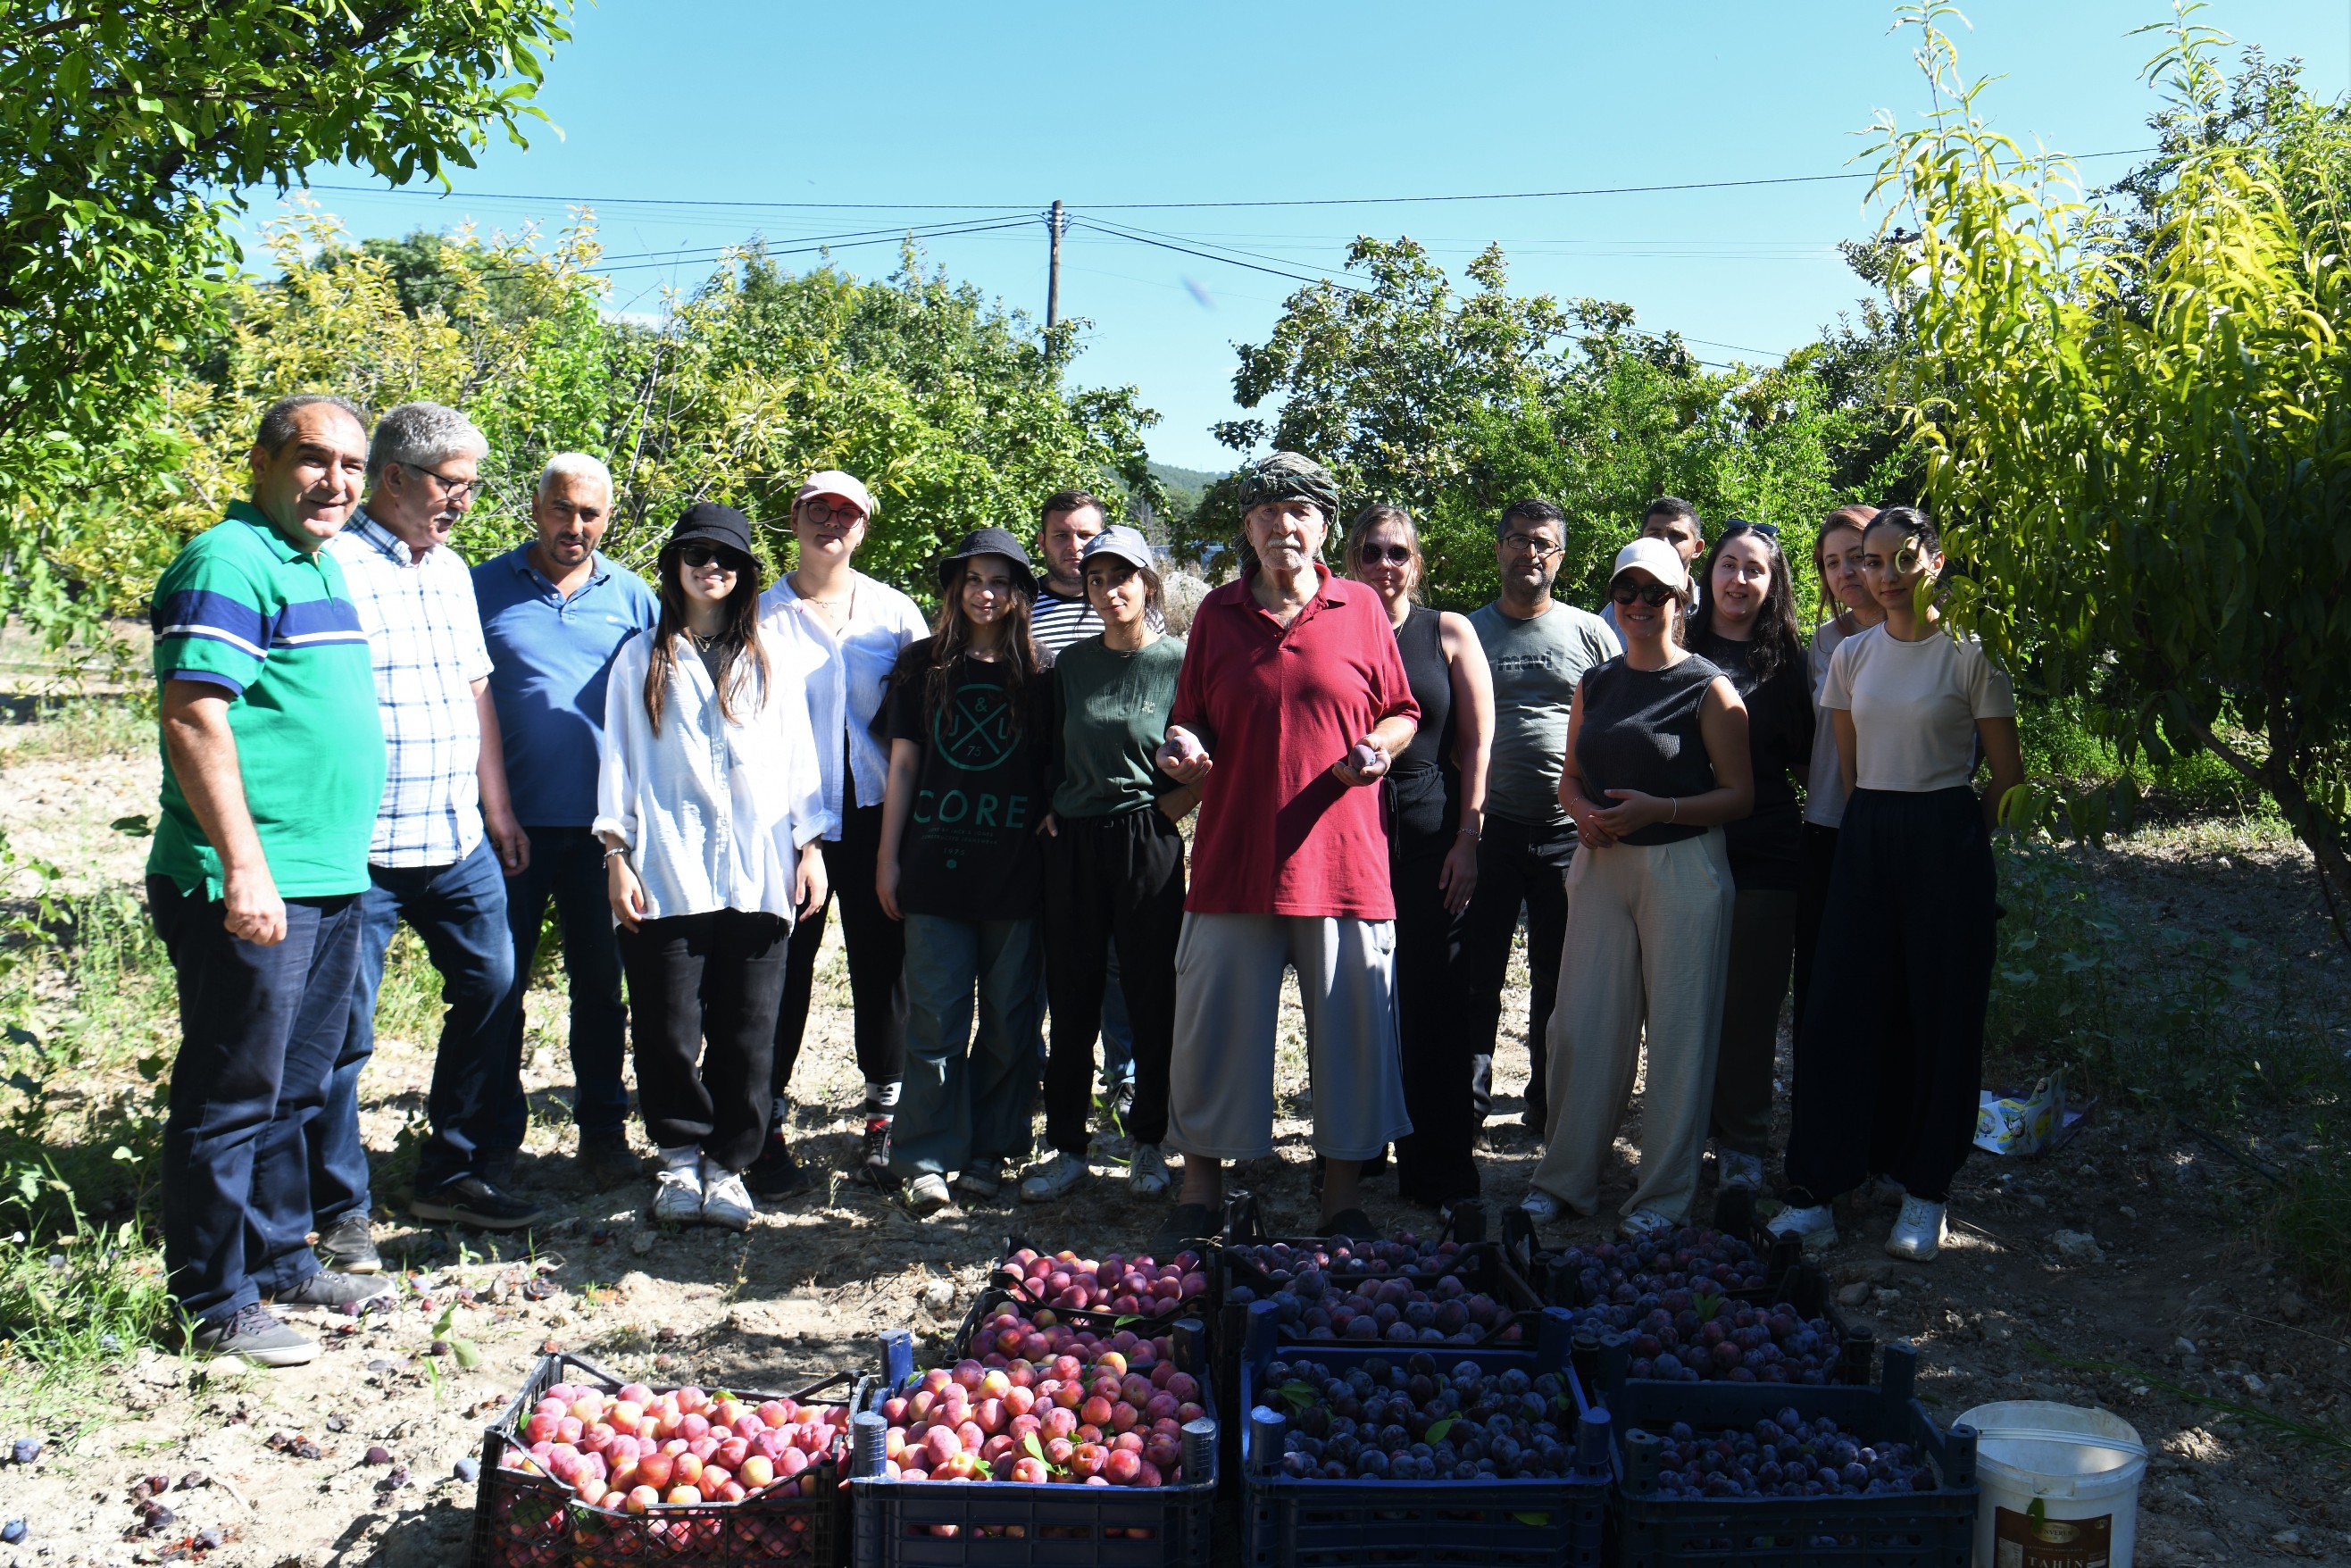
1640	731
1425	789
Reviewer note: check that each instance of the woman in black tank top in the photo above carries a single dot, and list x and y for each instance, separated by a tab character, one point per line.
1435	798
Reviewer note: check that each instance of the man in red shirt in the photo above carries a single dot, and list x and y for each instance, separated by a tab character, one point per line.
1292	702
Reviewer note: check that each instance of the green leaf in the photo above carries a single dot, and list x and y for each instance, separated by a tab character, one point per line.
1537	1521
1301	1394
1436	1430
133	827
469	1354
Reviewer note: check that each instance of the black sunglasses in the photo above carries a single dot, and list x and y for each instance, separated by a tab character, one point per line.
1623	591
697	554
1395	554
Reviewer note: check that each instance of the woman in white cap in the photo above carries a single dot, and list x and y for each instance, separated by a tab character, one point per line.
706	799
970	717
842	632
1656	761
1113	863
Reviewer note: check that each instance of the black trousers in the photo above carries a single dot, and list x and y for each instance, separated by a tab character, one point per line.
715	978
1111	879
1435	1161
877	956
1518	864
1890	1062
1816	858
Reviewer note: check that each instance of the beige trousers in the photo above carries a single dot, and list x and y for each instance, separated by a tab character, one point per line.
1648	946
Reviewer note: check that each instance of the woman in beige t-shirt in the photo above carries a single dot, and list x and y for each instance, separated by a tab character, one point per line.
1888	1069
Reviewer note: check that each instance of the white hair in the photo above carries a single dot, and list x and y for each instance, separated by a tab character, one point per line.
421	436
573	466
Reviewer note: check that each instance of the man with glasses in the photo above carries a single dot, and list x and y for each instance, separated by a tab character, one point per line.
445	837
1673	520
1537	649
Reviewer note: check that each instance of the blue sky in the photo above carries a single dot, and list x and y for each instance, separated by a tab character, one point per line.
680	120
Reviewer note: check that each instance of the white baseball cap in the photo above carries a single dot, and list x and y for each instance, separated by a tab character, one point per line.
1656	557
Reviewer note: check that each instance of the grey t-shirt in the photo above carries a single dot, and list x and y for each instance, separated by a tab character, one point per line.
1536	665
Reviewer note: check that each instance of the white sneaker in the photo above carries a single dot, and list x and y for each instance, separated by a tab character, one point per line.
927	1194
1061	1174
677	1194
1147	1174
981	1178
1642	1222
725	1199
1735	1169
1541	1206
1919	1234
1815	1227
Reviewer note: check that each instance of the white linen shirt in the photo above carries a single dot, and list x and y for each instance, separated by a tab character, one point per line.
713	812
846	676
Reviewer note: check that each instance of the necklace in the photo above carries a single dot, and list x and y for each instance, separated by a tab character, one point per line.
823	604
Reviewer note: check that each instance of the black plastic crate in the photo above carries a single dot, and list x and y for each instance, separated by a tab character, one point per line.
1913	1529
1297	1522
1024	1524
523	1519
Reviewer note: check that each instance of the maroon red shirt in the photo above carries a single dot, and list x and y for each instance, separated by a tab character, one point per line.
1277	706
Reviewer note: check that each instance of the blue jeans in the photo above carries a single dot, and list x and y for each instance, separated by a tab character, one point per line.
567	865
967	1098
258	1031
460	911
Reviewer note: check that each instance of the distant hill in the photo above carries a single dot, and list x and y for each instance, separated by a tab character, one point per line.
1183	486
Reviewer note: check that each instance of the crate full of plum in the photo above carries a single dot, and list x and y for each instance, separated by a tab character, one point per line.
1102	1453
1681	1327
1065	1282
1355	1454
1718	1474
582	1470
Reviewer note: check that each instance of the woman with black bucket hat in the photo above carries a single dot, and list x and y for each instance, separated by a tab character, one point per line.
970	721
710	807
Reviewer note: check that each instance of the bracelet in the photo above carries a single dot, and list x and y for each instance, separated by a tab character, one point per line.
1472	834
1677	810
617	849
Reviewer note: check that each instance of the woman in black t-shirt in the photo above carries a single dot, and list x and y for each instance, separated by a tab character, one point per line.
970	727
1748	630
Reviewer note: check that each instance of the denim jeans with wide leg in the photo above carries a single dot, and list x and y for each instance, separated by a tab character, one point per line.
567	865
259	1028
968	1097
460	911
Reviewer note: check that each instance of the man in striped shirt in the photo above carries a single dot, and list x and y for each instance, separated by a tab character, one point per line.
445	837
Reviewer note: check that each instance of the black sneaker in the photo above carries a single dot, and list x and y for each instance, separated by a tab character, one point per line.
329	1288
347	1246
775	1174
254	1336
605	1160
470	1200
496	1166
875	1156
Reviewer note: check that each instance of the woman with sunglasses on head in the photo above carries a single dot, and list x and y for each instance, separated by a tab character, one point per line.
709	805
1748	630
1891	1065
1848	609
1113	863
1436	799
970	719
844	631
1656	761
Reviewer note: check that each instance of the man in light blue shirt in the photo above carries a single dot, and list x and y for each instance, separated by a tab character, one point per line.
554	612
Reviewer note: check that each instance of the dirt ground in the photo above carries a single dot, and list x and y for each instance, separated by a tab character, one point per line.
2174	1288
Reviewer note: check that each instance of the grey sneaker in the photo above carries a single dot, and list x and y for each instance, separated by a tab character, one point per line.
981	1178
347	1246
1814	1227
1734	1169
1919	1233
1147	1174
726	1201
927	1194
1061	1174
677	1195
328	1288
254	1336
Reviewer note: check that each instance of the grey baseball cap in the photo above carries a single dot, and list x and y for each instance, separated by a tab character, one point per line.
1127	544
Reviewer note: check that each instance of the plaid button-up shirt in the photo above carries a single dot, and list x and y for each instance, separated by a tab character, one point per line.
425	636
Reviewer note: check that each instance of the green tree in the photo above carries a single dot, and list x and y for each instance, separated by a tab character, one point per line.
2138	427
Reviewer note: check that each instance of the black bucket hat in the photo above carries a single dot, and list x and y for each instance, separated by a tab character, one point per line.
719	524
991	541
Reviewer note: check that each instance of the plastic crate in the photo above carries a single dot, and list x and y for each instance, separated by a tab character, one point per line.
525	1519
1023	1524
1915	1529
1290	1522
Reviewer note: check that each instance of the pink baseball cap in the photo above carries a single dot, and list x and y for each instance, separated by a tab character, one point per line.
841	486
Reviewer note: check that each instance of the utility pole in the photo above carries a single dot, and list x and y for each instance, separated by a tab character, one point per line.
1053	272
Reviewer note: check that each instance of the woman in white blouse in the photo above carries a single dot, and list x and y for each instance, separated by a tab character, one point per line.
844	631
710	807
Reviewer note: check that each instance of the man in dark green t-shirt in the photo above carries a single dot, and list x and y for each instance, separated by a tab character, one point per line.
273	764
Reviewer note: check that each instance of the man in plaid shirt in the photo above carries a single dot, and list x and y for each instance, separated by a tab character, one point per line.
445	836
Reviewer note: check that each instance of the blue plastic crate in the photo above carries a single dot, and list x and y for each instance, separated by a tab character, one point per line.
1021	1524
1915	1529
1290	1522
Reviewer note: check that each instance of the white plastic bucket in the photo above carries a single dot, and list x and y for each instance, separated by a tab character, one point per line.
2082	1466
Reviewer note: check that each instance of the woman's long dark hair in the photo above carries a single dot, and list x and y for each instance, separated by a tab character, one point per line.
1777	644
951	639
737	642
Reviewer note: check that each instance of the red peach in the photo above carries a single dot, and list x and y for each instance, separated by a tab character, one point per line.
1122	1466
684	1497
640	1498
655	1469
1088	1460
758	1470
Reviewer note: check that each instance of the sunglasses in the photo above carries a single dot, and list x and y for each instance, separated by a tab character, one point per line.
1393	555
1625	590
699	554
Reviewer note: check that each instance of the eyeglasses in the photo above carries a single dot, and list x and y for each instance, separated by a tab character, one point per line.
699	554
1527	544
821	513
1625	590
1393	555
456	489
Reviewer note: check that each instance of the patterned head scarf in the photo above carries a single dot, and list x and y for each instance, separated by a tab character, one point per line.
1286	475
